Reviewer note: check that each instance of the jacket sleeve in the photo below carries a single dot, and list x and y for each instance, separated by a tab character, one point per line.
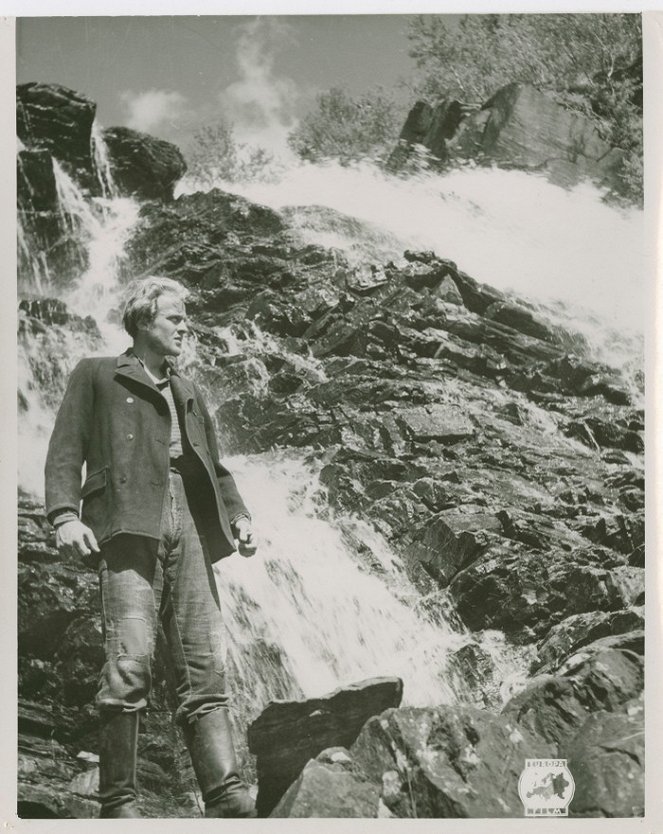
227	486
69	442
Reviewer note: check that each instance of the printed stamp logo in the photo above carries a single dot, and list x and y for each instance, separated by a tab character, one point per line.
546	788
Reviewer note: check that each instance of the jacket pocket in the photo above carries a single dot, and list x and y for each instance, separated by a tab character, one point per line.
94	482
95	497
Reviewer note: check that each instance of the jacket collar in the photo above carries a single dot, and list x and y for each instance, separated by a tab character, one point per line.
130	366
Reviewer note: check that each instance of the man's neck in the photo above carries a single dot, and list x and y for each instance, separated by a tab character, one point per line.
155	363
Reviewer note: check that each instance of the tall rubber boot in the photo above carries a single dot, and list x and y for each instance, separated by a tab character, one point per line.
117	765
210	744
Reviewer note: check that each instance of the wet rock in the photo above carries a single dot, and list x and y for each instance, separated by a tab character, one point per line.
364	279
143	166
578	630
446	423
330	786
49	311
451	540
607	760
317	300
51	597
476	297
512	588
597	433
527	129
35	180
343	338
629	583
476	667
426	127
59	120
619	532
289	733
446	761
599	677
434	278
588	379
520	319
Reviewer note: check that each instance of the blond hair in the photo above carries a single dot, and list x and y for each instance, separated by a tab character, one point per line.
140	300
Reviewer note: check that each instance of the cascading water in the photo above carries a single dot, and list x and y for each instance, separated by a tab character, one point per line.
332	622
578	259
102	162
47	356
330	619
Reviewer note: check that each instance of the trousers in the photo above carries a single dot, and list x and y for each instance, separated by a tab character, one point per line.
146	582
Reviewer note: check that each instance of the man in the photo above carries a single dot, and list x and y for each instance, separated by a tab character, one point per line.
158	509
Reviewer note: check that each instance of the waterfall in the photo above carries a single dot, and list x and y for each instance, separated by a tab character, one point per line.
307	600
101	228
102	162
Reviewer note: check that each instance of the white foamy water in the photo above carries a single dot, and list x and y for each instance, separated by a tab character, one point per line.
509	229
102	162
45	360
333	621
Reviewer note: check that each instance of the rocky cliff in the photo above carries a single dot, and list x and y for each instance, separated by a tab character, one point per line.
518	127
501	462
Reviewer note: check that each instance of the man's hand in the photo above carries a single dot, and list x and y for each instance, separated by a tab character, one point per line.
246	541
73	538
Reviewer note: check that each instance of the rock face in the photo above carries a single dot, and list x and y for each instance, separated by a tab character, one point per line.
142	166
518	127
331	785
55	119
287	734
607	757
429	127
600	677
446	762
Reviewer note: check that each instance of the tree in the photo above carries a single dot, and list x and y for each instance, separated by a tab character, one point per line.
214	155
346	128
589	62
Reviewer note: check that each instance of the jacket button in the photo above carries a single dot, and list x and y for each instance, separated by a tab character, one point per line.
130	399
123	479
130	436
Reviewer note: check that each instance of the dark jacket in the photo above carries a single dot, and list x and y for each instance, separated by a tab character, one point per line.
114	419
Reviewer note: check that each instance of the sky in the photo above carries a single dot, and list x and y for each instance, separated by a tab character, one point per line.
168	75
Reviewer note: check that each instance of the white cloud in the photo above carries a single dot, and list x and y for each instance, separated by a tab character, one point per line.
261	105
151	109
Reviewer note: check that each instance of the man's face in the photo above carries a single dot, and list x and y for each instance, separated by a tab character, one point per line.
164	334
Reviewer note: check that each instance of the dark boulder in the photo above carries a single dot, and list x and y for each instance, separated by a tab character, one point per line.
451	540
143	166
429	128
446	761
607	760
438	421
599	677
331	785
289	733
513	588
53	118
35	181
520	318
578	630
520	127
